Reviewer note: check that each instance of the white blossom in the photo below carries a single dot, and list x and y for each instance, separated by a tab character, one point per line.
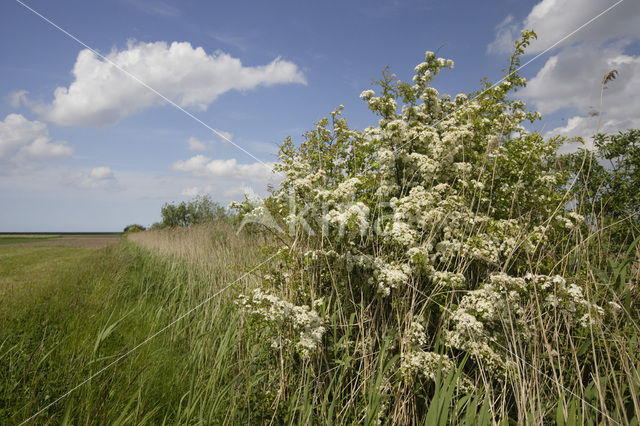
304	320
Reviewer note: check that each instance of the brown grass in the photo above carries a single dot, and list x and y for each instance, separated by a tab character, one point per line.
209	249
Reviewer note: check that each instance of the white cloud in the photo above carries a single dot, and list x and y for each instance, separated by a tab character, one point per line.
271	148
23	141
97	178
572	81
232	191
197	145
238	192
137	197
102	95
552	20
102	173
18	99
155	7
193	191
202	166
224	136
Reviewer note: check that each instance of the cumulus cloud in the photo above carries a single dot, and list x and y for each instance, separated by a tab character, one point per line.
570	81
101	94
22	141
202	166
102	177
224	136
573	79
231	191
194	191
552	20
506	33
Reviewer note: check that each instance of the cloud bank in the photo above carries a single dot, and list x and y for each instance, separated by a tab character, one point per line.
552	20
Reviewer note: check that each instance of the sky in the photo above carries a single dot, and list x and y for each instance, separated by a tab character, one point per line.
113	108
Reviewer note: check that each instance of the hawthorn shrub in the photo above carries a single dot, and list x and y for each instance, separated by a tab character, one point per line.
430	243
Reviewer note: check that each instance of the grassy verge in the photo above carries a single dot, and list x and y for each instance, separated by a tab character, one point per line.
77	310
86	308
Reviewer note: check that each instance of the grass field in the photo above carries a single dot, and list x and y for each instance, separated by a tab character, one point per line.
93	241
23	238
24	270
158	312
67	312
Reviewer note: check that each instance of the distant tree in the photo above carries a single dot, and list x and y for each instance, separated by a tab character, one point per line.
134	228
608	181
201	209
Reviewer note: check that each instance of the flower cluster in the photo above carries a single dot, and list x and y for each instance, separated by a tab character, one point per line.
426	364
512	303
414	360
391	276
301	319
352	217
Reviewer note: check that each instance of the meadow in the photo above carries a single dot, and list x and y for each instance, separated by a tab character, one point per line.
67	313
446	266
24	238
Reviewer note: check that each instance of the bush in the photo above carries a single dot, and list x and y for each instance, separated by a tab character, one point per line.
199	210
607	183
438	235
134	228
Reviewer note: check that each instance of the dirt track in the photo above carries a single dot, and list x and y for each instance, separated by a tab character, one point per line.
81	241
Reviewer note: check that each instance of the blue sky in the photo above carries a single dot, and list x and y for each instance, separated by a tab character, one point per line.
86	147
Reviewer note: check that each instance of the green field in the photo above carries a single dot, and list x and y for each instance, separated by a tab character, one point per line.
24	238
65	313
154	322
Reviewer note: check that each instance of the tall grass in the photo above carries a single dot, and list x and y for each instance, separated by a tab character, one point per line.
561	375
106	304
213	367
216	366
